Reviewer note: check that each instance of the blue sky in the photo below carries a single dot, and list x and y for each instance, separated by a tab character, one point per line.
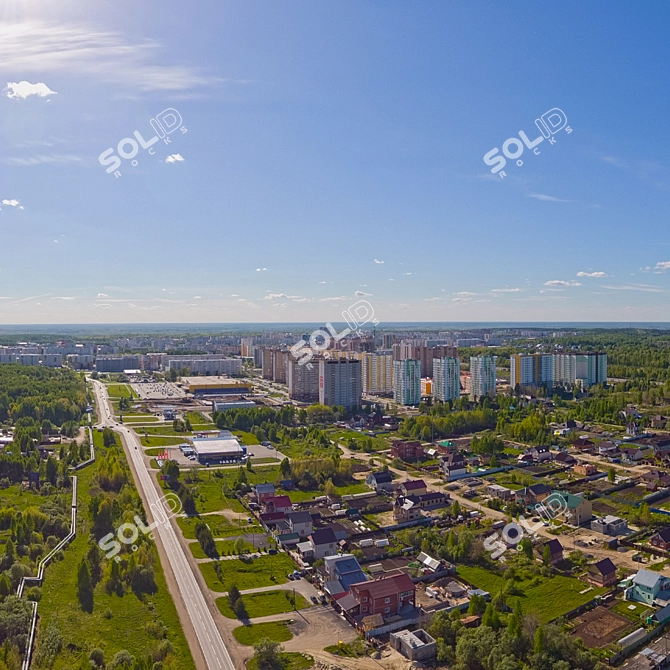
331	152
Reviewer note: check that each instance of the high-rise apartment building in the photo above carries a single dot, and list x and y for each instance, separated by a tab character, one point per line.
275	364
377	372
482	376
247	347
340	382
402	351
303	381
531	370
407	381
446	378
387	340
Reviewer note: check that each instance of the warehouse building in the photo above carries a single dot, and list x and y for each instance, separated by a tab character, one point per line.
222	448
214	386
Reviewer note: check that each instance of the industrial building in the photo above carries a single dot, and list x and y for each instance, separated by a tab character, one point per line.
232	403
224	447
214	386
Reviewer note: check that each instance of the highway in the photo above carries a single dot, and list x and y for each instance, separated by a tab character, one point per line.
215	653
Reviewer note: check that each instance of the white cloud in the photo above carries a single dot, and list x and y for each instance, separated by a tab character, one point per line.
23	89
274	296
546	198
659	268
505	290
103	305
391	279
59	159
339	297
407	274
63	297
362	294
197	297
322	282
174	158
560	282
234	295
592	274
102	295
378	262
12	203
261	269
466	293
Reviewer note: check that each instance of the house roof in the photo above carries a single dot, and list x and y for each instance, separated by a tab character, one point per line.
323	536
604	567
271	516
387	586
299	517
382	477
414	485
538	489
664	534
647	578
432	495
265	488
279	501
571	501
555	547
348	602
428	561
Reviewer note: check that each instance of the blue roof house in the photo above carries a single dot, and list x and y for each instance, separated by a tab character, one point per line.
649	587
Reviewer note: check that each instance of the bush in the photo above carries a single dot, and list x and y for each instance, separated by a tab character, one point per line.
97	657
122	660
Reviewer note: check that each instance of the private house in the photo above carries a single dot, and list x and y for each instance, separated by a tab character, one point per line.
264	492
453	466
632	454
340	572
633	429
630	413
555	551
281	504
656	479
576	510
497	491
602	573
300	523
661	540
415	645
610	525
583	444
564	458
648	587
412	487
407	451
269	520
321	543
406	509
380	481
531	495
433	500
608	450
585	469
339	531
525	459
540	454
659	421
385	596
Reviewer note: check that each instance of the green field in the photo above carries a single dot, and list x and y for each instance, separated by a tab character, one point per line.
116	623
264	604
291	660
245	438
378	443
550	598
119	391
277	631
635	615
161	430
209	495
219	525
297	495
224	547
249	573
154	441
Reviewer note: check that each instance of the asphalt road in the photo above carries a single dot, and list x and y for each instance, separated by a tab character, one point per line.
215	653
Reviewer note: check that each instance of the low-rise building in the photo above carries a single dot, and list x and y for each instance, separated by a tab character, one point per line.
576	510
497	491
531	495
610	525
416	645
280	504
585	469
555	551
453	466
412	487
656	479
602	573
341	572
300	523
386	596
407	451
264	492
661	540
380	481
324	543
648	587
406	509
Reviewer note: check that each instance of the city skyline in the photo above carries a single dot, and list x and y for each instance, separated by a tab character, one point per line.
324	155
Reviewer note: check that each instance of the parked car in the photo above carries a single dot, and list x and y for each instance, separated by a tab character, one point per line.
290	576
323	599
314	600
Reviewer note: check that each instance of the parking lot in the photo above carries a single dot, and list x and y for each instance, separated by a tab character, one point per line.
158	391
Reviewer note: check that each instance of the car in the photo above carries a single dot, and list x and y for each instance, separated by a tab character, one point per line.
290	576
272	552
314	600
545	524
323	599
536	519
250	520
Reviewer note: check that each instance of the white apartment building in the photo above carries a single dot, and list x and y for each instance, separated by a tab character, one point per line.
206	365
528	370
482	376
446	378
407	382
583	369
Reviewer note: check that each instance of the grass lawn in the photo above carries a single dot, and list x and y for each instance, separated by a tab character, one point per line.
248	574
262	460
119	391
634	615
297	495
378	443
153	441
219	525
550	598
224	547
264	604
291	660
277	631
162	430
245	438
126	628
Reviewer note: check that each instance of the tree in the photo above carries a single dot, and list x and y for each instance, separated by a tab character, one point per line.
240	609
611	475
477	605
526	547
84	586
546	555
538	647
267	655
233	595
240	545
51	471
108	437
285	468
249	464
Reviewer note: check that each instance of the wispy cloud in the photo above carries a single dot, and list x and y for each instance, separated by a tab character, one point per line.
505	290
261	269
378	262
592	274
59	159
560	282
106	56
659	268
546	198
12	203
362	294
22	89
645	288
174	158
